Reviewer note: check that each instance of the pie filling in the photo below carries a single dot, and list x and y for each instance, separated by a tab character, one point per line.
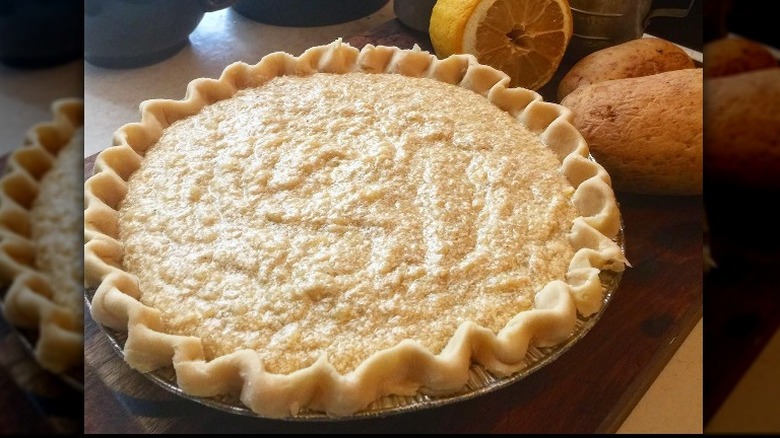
339	214
57	227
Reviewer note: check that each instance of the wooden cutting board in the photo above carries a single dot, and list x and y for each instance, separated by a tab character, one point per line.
590	388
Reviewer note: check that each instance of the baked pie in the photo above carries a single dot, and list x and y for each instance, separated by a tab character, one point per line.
316	232
41	261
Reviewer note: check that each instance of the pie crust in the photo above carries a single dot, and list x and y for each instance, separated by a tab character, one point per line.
40	245
407	367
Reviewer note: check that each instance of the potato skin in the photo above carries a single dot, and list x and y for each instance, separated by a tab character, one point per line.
729	56
743	129
647	131
635	58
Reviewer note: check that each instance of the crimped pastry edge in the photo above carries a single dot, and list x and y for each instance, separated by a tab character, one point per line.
407	367
27	303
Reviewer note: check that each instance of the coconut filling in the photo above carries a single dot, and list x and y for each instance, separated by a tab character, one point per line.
57	227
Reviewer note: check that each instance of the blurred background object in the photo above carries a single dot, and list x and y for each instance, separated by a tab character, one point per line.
414	13
603	23
41	44
727	56
742	180
753	19
683	30
136	33
40	33
305	13
715	15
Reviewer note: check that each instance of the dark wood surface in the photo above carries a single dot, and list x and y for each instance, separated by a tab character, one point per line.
590	388
742	292
32	399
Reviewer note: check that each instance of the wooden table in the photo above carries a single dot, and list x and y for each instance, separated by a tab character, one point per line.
743	298
33	400
590	388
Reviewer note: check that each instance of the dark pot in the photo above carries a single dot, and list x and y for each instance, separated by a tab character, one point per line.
414	13
135	33
303	13
40	33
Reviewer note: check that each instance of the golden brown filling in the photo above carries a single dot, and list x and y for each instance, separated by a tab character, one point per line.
57	227
341	214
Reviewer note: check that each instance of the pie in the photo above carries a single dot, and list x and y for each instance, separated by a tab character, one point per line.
316	232
41	262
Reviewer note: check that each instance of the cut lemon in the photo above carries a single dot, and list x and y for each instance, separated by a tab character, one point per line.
526	39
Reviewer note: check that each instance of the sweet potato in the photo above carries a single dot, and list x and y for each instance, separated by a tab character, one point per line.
635	58
646	131
729	56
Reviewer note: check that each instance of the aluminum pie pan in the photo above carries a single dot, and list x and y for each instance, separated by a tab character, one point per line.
480	380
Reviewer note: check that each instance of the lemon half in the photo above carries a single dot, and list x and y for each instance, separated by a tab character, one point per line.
526	39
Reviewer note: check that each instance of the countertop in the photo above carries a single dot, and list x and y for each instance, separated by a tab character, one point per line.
26	96
674	401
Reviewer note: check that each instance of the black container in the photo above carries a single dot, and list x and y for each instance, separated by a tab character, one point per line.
686	31
753	19
306	13
40	33
136	33
415	14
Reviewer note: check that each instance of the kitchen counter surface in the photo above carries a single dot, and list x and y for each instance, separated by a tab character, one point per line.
26	97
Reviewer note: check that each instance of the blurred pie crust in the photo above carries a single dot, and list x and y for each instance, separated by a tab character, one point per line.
41	258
